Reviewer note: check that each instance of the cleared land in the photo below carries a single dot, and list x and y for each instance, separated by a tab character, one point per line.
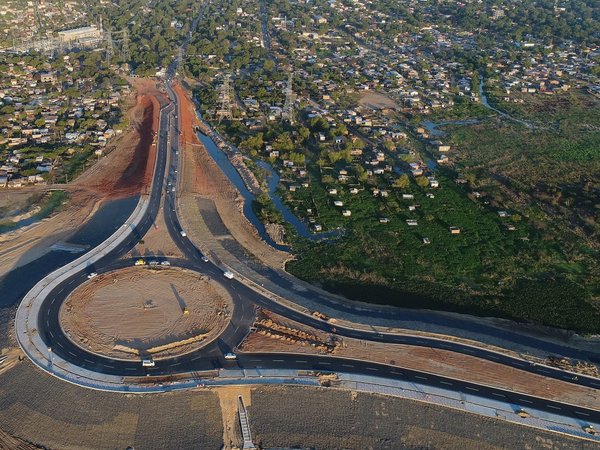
125	171
203	179
46	411
141	309
283	336
329	419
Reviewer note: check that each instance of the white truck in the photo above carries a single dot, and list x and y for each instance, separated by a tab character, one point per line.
228	274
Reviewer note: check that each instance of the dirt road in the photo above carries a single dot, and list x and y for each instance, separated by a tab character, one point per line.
125	171
203	179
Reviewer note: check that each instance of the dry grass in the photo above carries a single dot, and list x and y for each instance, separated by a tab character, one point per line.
49	412
332	419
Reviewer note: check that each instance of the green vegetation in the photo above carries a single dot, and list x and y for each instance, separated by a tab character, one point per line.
48	206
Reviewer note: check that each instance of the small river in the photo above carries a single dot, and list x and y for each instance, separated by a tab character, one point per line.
231	172
433	127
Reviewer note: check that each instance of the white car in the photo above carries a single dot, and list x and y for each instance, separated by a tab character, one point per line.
183	233
92	275
228	274
148	362
205	259
230	356
165	263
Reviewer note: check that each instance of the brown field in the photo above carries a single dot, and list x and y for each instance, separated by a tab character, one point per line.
322	418
125	171
49	412
142	309
441	362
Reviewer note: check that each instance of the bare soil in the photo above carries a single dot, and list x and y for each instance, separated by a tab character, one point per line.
202	178
143	309
441	362
376	100
123	172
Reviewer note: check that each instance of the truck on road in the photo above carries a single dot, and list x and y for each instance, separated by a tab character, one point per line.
228	274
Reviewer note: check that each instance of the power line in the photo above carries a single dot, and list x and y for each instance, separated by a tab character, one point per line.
224	111
288	108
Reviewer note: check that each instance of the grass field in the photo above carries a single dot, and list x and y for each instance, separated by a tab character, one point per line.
546	270
49	412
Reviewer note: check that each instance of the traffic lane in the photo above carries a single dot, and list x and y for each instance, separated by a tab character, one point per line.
336	364
423	341
53	336
436	319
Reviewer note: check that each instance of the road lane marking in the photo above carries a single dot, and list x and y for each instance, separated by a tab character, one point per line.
347	365
446	383
471	388
554	407
301	361
372	368
277	360
498	395
582	413
525	400
420	377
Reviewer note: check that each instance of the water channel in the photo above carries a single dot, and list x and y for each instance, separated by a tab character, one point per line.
231	172
433	127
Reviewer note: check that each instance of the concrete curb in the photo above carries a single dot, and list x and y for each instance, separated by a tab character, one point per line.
28	311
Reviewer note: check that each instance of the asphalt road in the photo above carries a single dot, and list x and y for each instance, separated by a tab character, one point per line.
246	300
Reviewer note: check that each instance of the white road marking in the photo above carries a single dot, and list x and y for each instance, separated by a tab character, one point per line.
472	388
372	368
347	365
446	383
525	400
420	377
498	395
554	407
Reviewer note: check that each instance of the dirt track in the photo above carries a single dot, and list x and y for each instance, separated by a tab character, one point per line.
202	178
125	171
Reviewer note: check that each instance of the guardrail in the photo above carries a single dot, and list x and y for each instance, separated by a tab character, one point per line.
27	315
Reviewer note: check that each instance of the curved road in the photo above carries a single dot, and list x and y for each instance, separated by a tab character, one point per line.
246	300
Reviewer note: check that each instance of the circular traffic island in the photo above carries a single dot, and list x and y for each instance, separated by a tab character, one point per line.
141	312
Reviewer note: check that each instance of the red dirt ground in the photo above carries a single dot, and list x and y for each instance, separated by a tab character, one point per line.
128	169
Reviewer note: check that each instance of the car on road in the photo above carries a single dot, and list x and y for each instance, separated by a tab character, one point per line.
205	259
228	274
92	275
140	262
183	233
148	362
230	356
165	263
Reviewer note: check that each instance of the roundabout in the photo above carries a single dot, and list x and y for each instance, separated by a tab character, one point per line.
140	311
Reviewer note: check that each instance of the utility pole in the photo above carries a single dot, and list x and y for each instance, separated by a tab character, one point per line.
180	68
125	46
288	108
110	47
224	111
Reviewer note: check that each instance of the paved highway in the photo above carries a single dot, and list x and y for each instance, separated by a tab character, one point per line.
246	300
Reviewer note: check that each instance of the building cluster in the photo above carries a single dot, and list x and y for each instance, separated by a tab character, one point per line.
22	21
48	116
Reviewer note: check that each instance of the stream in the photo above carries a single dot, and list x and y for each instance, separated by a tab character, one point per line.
433	127
231	172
